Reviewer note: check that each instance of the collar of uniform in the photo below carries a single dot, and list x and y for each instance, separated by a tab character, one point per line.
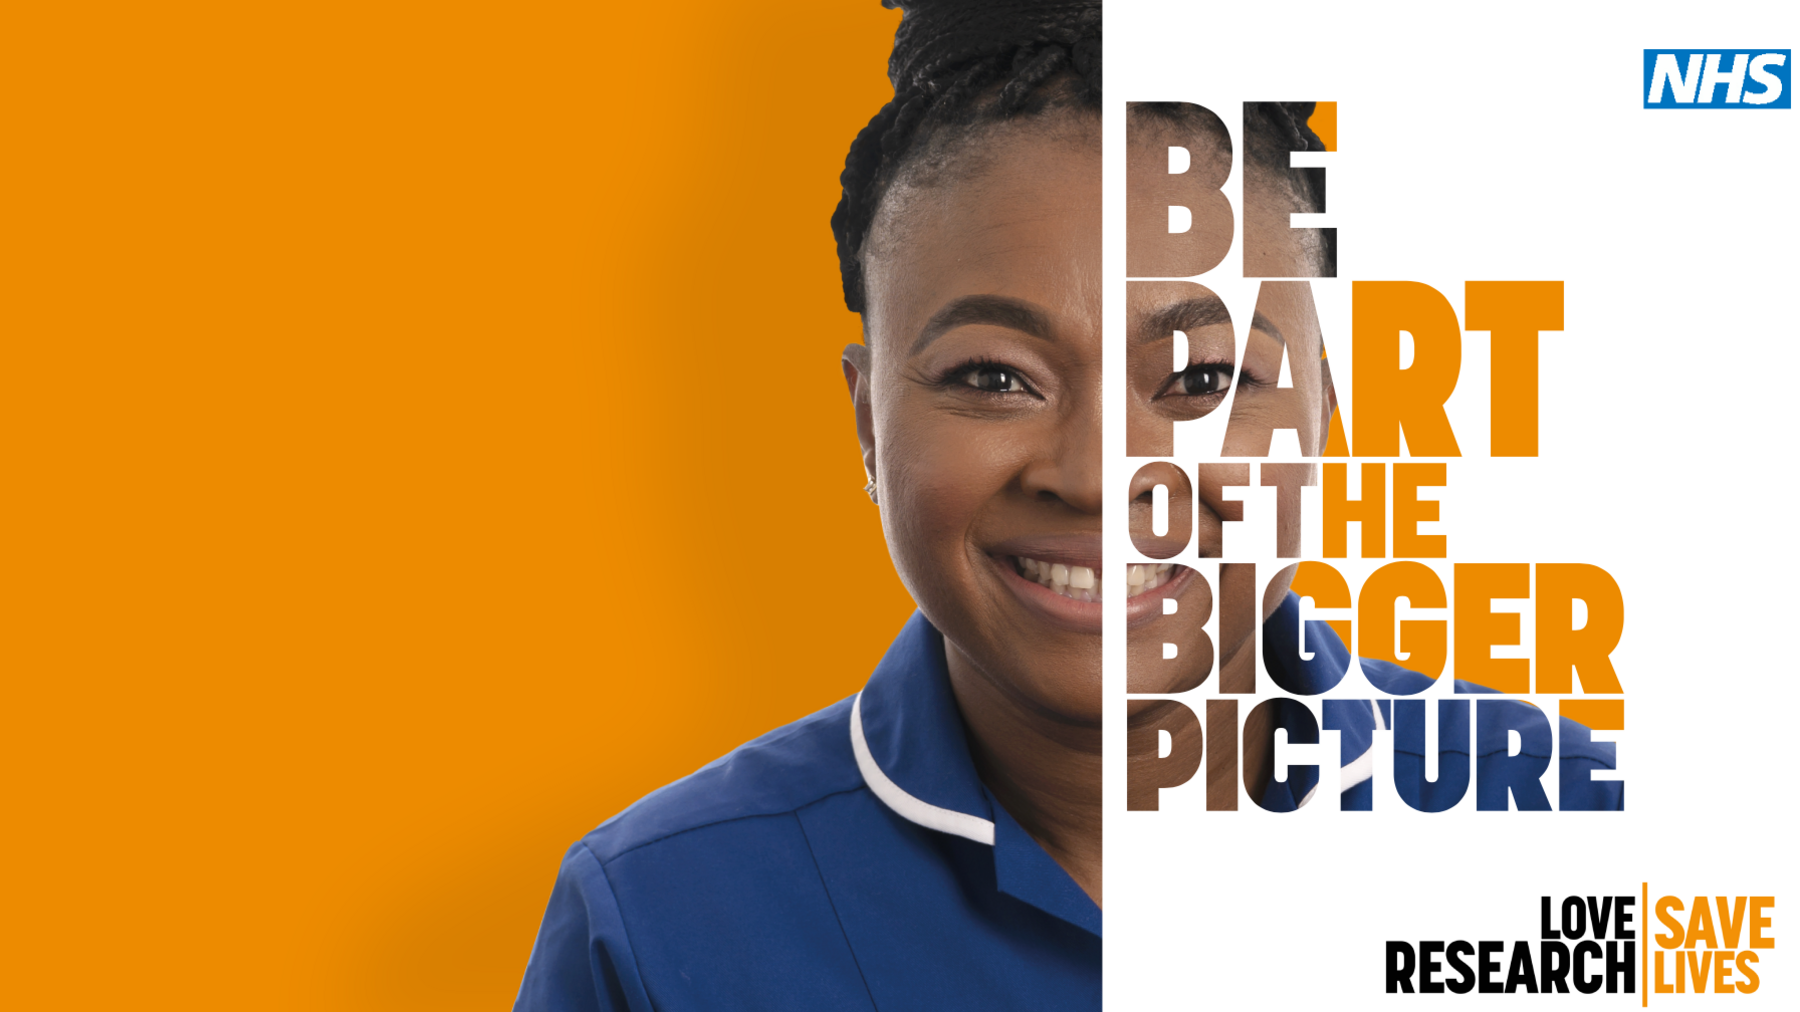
1025	871
908	738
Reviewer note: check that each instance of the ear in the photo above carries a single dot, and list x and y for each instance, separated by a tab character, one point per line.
858	376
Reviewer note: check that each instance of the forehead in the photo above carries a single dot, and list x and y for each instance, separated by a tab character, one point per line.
1011	210
1220	210
1159	126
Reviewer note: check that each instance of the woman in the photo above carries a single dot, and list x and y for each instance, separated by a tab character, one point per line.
934	841
875	854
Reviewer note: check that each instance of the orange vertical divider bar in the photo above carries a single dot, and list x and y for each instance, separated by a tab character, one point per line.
1644	936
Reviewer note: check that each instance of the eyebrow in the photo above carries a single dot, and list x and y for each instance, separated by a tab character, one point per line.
1267	326
1193	314
995	310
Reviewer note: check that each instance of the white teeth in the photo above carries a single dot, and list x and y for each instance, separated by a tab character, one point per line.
1077	583
1084	583
1148	576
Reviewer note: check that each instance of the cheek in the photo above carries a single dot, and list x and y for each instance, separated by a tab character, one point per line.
1288	533
1300	409
1309	381
1256	414
939	475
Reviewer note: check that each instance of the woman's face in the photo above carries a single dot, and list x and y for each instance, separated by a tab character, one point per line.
1162	391
978	401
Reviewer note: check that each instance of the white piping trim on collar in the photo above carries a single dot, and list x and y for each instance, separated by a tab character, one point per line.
944	820
1361	768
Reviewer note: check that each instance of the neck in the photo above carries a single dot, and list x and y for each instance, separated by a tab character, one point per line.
1043	768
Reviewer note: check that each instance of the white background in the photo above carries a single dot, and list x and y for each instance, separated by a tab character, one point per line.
1508	142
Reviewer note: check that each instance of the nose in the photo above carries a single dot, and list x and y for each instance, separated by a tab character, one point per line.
1067	468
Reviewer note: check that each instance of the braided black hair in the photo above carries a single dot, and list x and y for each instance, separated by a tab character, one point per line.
957	62
1271	130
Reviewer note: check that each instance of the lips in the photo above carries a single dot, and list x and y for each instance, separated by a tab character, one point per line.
1144	602
1061	579
1055	576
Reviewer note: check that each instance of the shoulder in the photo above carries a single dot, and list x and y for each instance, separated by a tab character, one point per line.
703	882
779	773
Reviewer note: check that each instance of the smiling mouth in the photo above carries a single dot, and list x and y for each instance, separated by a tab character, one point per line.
1148	576
1082	583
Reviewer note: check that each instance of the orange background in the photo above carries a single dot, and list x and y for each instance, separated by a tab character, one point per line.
423	435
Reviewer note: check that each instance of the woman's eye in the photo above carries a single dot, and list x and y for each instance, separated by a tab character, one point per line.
994	379
1202	379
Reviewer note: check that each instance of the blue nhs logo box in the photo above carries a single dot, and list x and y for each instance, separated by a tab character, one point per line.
1718	79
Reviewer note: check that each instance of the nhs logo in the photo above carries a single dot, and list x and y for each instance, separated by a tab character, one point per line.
1717	79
